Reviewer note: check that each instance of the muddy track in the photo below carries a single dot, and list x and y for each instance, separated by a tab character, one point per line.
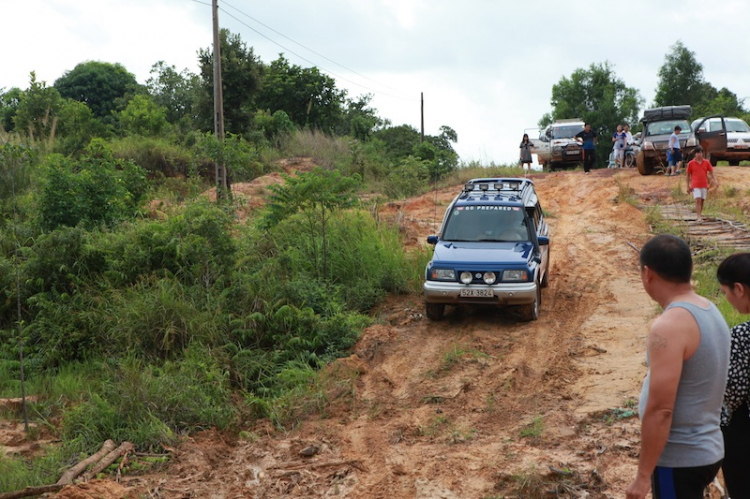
481	404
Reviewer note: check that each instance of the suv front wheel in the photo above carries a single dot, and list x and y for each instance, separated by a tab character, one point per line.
435	311
531	311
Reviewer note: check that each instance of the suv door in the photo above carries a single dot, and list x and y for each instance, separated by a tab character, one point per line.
541	147
712	141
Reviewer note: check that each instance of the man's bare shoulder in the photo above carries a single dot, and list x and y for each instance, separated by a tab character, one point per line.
676	328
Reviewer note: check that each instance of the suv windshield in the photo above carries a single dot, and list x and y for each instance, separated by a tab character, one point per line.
666	127
486	223
565	131
736	126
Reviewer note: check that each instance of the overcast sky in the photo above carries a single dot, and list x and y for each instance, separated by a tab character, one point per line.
486	67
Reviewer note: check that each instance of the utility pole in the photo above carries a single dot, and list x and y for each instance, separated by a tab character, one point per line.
221	170
421	137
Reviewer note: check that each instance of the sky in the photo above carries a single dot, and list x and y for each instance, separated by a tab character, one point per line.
485	67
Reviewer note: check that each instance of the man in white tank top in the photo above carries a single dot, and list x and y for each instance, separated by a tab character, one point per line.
687	352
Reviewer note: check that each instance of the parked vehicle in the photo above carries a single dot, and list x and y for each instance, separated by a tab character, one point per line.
492	250
658	125
556	146
738	139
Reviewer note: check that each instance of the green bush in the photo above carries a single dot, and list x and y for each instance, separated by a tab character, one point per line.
158	156
149	405
94	190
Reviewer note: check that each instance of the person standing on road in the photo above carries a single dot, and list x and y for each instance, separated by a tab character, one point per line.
733	275
674	153
619	139
687	353
698	171
588	138
526	146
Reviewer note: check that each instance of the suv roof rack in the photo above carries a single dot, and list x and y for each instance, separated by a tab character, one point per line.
569	120
666	113
509	185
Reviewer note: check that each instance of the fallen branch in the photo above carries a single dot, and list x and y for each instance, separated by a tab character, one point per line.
31	491
108	459
356	463
79	468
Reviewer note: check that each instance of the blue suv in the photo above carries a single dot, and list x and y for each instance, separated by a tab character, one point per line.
493	249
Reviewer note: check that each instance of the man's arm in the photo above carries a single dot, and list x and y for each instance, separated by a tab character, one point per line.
714	178
666	350
687	180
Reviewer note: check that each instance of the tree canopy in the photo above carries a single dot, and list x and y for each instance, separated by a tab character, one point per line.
102	86
240	82
597	96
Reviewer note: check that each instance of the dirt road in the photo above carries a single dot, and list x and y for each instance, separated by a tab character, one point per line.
480	405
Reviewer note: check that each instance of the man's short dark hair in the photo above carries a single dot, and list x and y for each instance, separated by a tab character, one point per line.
698	149
669	256
678	127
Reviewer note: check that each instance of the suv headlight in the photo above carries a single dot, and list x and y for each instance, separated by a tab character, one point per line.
648	145
466	277
490	277
514	275
443	275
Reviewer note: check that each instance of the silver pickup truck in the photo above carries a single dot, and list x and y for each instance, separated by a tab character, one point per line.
556	146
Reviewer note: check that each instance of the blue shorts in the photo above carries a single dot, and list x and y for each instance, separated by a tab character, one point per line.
674	157
682	483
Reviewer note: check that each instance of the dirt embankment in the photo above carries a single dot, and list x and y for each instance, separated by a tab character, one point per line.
480	404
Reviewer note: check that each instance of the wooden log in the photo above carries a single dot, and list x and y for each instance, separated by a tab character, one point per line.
108	459
31	491
79	468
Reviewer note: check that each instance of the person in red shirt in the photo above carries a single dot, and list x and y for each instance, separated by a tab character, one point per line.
698	171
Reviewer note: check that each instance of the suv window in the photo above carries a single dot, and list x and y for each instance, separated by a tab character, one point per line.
666	127
486	223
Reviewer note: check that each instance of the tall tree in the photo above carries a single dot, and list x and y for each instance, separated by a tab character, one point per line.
102	86
681	79
176	92
597	96
309	97
240	81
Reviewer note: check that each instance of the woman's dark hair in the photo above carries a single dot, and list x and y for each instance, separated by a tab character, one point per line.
525	137
669	256
735	268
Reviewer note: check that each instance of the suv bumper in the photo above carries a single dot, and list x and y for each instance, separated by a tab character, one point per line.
521	293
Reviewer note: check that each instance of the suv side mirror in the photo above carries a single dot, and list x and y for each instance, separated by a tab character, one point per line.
543	240
432	240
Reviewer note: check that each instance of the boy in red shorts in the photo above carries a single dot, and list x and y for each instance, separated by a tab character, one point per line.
698	171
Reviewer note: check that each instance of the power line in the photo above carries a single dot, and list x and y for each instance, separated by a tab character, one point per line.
305	47
303	58
310	62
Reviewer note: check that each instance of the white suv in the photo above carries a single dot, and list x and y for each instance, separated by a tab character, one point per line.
738	139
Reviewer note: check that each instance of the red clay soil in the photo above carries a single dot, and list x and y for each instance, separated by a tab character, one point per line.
479	405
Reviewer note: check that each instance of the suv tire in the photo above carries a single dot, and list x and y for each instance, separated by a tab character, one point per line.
531	311
645	168
435	311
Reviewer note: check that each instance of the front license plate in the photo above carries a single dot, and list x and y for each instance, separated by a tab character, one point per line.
477	293
571	152
741	146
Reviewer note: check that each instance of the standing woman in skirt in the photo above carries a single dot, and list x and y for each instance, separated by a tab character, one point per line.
526	146
734	277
